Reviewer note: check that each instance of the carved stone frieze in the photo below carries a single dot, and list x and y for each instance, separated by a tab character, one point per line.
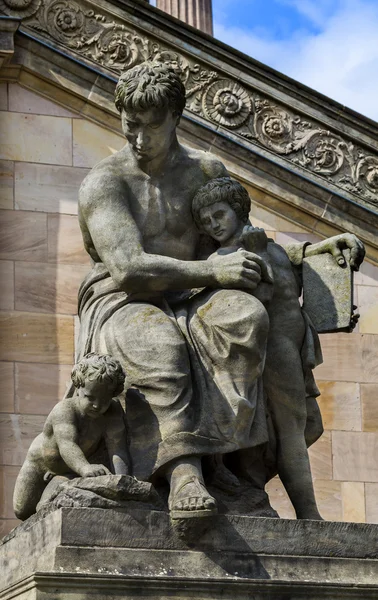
99	36
226	102
19	8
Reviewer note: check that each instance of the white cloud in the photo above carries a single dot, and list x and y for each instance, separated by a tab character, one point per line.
341	61
317	11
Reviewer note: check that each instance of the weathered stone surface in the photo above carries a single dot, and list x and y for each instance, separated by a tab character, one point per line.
46	188
7	285
36	338
8	27
6	183
111	553
36	138
340	405
104	491
355	456
23	236
38	387
327	293
7	387
195	333
23	100
91	143
48	287
194	372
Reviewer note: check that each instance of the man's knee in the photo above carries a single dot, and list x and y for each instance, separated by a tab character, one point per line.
153	346
232	309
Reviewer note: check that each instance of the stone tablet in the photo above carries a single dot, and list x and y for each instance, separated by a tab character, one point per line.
328	292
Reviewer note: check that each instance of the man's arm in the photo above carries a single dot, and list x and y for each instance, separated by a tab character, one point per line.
105	213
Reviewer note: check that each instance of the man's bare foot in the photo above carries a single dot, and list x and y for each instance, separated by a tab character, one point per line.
190	498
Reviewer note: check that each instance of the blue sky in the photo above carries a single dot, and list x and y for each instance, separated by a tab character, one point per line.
330	45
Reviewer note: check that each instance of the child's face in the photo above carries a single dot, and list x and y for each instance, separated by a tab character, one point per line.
219	221
95	398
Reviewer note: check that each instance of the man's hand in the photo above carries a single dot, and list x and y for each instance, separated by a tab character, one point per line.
240	270
335	246
95	471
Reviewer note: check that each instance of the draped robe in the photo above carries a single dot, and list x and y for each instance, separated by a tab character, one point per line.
194	362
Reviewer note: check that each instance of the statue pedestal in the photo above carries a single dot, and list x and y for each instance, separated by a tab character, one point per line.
81	553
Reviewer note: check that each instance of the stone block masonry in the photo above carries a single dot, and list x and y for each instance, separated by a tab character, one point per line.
105	554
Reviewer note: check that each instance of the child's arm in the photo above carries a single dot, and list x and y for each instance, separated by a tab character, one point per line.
115	439
66	438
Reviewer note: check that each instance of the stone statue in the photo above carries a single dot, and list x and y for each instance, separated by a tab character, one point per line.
207	345
73	431
189	335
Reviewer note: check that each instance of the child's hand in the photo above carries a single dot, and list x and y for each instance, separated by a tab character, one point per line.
95	471
254	239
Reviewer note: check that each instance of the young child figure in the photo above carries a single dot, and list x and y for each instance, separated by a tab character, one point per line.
73	431
221	209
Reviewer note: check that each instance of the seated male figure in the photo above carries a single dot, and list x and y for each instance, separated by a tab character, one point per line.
137	226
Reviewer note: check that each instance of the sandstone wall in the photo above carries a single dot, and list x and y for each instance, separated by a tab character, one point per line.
45	153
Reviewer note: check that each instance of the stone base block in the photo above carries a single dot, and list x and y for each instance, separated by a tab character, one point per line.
80	553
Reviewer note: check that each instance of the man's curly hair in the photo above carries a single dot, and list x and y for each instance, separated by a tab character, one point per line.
97	367
150	85
222	189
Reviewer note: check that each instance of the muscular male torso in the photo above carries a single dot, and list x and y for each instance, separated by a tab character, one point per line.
159	203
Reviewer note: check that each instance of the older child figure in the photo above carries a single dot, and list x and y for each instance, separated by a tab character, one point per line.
221	209
73	431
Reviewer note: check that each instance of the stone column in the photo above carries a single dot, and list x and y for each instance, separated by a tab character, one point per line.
194	12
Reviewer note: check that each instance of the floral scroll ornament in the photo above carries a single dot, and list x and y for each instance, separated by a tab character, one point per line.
274	127
115	47
226	102
19	8
324	154
367	174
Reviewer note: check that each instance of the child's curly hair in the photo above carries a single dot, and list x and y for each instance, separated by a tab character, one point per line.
101	368
222	189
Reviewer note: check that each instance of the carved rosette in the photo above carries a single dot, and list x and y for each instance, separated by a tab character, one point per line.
226	102
273	127
19	8
64	20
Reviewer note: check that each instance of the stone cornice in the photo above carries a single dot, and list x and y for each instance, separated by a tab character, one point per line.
236	96
8	27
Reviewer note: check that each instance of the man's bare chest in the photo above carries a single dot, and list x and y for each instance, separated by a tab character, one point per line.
161	208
